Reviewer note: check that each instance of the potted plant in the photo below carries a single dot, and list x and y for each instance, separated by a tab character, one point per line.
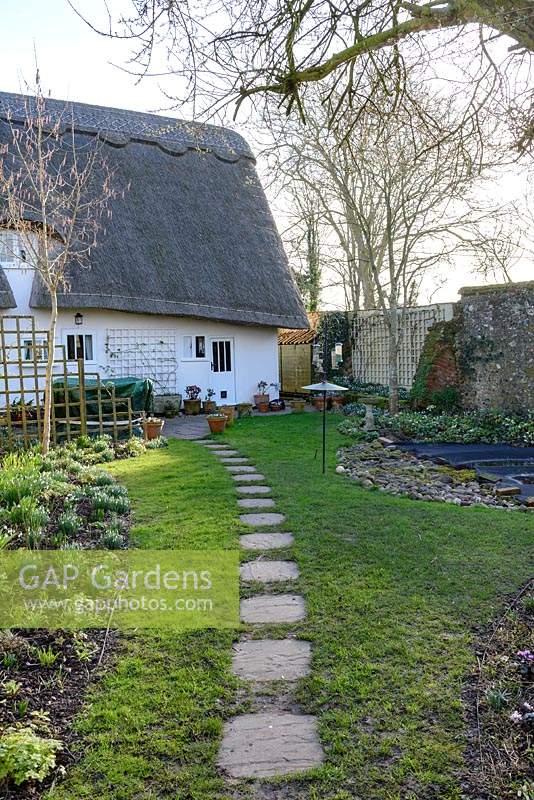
152	427
209	406
170	409
277	405
217	422
192	403
318	402
229	413
261	396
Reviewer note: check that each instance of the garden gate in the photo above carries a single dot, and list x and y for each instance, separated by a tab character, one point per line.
82	402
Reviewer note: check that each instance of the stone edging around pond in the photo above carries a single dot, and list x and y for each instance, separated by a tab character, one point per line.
403	474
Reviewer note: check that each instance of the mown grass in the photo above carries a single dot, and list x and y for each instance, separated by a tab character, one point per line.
395	591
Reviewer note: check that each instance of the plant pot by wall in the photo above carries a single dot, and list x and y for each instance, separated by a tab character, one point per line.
161	400
260	398
263	407
209	406
217	423
229	413
153	428
192	407
298	406
244	410
318	402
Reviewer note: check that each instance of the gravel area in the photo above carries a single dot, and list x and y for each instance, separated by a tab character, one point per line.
403	474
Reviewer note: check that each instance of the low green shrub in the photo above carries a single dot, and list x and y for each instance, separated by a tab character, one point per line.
468	428
25	756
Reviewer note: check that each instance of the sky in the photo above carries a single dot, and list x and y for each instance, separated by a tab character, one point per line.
77	64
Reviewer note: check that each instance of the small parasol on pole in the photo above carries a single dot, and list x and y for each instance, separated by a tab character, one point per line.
325	387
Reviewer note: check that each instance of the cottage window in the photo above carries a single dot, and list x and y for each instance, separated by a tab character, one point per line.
194	347
80	346
9	247
41	349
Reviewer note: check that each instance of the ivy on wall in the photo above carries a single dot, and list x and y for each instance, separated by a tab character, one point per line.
334	327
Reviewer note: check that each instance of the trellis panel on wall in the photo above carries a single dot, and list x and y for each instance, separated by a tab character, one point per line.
143	353
370	351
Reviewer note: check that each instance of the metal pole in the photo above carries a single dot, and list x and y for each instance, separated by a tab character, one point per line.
324	432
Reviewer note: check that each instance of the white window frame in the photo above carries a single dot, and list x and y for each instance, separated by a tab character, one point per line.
77	332
14	257
193	350
42	351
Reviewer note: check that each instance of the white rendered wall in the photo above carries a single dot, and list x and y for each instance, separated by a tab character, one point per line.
255	348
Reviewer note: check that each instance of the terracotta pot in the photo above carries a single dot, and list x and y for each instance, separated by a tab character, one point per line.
153	430
229	413
298	406
217	424
192	407
337	401
261	398
209	406
318	402
263	407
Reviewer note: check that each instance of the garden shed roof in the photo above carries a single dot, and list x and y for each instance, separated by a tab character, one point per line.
193	235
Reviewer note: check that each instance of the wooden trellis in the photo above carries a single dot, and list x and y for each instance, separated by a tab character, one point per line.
370	337
23	356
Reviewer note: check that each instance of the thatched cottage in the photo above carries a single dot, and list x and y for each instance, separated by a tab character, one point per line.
190	283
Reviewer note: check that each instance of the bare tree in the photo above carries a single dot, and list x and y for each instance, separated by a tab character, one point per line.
230	51
303	241
54	193
399	207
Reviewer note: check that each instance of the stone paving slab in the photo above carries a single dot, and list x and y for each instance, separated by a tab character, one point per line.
241	468
253	489
256	476
259	520
271	660
240	460
269	571
273	608
223	452
256	502
265	541
265	745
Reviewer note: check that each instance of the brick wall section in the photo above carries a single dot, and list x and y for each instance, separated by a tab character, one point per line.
444	371
495	346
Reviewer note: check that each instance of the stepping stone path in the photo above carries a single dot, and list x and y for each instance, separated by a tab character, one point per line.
266	541
259	520
249	478
269	571
271	660
256	502
253	490
268	743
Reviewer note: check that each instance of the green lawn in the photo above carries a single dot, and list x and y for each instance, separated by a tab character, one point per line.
395	592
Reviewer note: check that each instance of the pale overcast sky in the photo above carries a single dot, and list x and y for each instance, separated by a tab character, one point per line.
76	64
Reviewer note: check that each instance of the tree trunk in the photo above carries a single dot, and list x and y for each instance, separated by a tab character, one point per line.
48	396
393	372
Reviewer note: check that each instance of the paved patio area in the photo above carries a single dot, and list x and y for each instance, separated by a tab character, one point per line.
183	427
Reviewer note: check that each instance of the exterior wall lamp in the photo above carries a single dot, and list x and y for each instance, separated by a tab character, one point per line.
78	319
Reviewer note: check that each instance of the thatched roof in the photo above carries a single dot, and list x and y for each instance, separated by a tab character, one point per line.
7	299
193	236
